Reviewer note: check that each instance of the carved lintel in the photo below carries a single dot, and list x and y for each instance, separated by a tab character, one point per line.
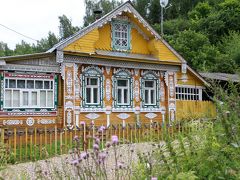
59	56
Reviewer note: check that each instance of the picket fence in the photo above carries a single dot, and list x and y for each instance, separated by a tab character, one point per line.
34	144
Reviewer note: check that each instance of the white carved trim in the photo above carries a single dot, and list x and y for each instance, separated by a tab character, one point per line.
123	116
12	122
92	116
46	121
136	90
108	69
108	89
150	115
30	121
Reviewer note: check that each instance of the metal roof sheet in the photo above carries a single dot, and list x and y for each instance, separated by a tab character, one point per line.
222	76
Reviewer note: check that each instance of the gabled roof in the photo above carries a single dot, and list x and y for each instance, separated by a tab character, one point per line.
125	7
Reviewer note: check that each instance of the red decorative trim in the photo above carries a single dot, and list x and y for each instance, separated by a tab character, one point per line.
36	76
28	113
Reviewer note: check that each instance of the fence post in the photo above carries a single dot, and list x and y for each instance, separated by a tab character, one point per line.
26	143
55	137
2	135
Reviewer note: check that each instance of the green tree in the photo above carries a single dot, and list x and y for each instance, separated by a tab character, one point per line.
196	48
142	7
5	50
66	28
104	5
46	43
23	48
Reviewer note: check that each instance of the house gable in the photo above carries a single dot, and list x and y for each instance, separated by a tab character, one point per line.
98	36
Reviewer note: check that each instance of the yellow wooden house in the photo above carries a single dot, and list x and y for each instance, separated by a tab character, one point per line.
116	70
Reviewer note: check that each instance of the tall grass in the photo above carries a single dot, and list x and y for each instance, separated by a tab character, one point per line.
211	153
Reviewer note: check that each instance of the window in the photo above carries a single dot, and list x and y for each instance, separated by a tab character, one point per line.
92	87
122	90
150	90
28	93
92	90
188	93
121	35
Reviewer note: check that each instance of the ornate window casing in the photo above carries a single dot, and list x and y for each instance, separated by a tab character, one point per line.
188	93
121	35
150	90
122	89
22	91
92	90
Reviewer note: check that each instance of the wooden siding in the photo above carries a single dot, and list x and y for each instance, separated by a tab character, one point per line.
195	109
84	44
191	79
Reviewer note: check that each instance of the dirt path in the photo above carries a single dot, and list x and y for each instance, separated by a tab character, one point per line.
126	153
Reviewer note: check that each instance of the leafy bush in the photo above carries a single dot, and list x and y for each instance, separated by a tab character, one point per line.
211	153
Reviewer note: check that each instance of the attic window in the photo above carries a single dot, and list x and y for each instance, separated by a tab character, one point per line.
121	35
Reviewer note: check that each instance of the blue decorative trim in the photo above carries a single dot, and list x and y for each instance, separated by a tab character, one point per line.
150	75
122	74
92	71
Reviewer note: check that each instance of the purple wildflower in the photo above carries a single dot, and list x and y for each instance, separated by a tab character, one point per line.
114	139
82	122
154	178
102	156
83	155
74	162
96	147
101	128
76	138
97	140
108	144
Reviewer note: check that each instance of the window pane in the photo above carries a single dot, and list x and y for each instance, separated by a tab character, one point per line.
51	82
125	96
20	83
50	99
25	98
119	96
149	84
122	83
38	84
8	98
88	95
93	81
146	97
34	98
95	95
16	98
30	84
12	83
43	98
152	97
6	83
46	85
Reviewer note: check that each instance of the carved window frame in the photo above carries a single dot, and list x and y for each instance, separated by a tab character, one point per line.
122	74
150	76
92	72
29	76
119	47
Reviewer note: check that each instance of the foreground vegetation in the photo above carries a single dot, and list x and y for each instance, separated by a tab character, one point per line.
208	151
